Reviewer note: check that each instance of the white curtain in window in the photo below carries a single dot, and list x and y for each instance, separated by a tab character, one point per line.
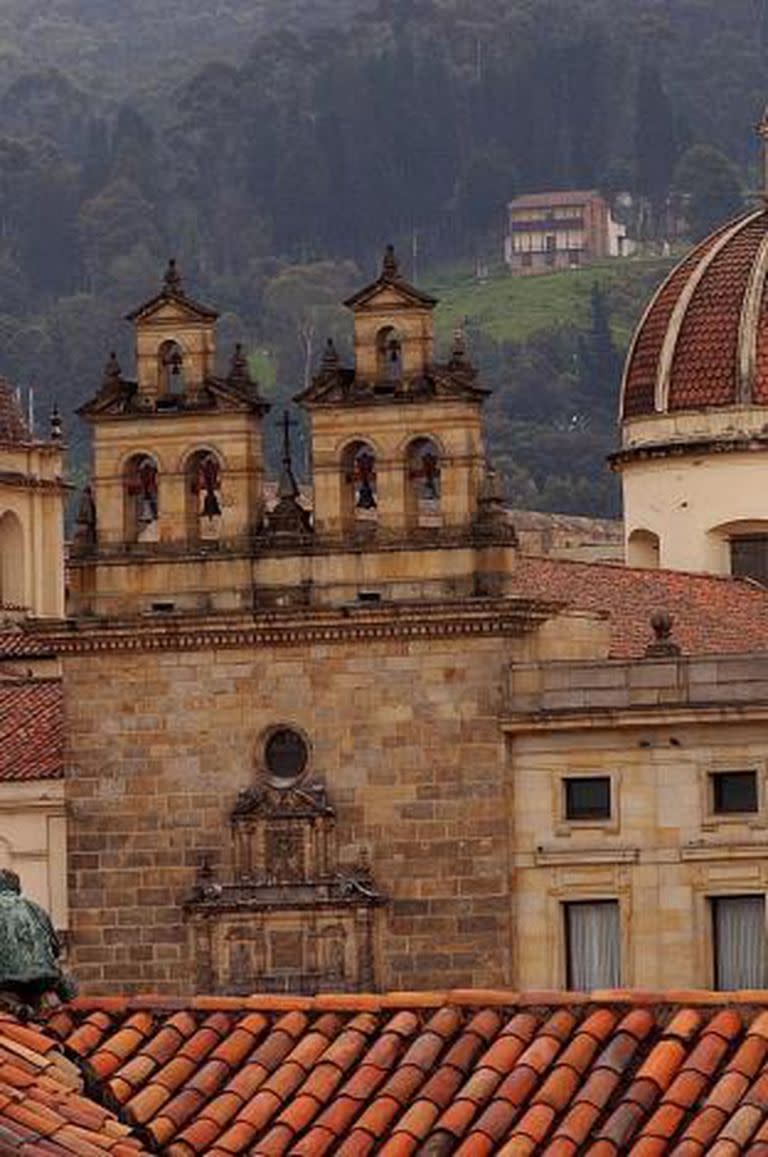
593	945
740	946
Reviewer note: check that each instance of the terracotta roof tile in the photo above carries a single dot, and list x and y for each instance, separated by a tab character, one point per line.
43	1109
614	1074
711	615
31	729
642	365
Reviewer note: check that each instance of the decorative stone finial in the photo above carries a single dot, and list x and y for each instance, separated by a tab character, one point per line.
459	358
663	645
56	424
330	359
289	518
389	267
490	499
85	534
287	485
239	370
112	371
172	278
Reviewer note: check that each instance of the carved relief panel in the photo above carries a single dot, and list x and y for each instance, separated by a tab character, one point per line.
290	920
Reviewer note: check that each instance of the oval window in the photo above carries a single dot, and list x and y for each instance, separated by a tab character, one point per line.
285	755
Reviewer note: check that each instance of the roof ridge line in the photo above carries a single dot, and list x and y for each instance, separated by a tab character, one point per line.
385	1001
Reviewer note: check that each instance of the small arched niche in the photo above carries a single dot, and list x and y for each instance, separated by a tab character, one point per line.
12	561
423	482
203	495
170	369
389	355
141	499
643	549
358	484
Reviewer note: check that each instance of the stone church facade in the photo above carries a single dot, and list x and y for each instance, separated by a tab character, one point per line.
376	745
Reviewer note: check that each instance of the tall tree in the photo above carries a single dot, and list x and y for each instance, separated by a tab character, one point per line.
710	187
656	138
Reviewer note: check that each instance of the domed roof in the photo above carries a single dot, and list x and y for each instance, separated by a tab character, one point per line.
703	342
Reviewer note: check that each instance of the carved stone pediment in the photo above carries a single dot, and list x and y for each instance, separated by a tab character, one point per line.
291	917
268	801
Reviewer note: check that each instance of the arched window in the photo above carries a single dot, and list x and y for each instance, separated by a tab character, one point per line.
643	549
203	486
422	467
12	572
142	507
360	496
389	355
170	368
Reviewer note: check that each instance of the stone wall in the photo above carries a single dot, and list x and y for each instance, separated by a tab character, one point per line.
405	737
660	730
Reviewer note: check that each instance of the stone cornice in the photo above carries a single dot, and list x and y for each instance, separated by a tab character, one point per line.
717	444
265	545
665	714
16	479
416	621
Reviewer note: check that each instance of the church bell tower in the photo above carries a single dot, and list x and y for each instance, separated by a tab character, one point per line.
176	493
397	440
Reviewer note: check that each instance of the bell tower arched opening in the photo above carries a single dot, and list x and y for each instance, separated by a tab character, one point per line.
170	369
422	482
359	485
141	497
12	562
389	355
203	498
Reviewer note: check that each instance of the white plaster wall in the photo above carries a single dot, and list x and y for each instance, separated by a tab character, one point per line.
694	503
33	842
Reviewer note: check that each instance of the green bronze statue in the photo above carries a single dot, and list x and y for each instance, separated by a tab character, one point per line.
30	974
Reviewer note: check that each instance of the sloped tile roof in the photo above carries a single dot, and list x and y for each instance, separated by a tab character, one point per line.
43	1111
458	1074
711	614
15	643
31	729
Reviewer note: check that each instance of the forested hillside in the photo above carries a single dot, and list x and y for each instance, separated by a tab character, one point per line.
273	146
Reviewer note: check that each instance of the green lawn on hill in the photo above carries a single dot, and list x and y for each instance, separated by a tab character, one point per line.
509	308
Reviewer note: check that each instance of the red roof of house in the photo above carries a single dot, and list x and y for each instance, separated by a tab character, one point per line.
43	1112
31	729
557	198
711	614
707	322
465	1074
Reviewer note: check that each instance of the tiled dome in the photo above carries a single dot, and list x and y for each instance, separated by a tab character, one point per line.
703	342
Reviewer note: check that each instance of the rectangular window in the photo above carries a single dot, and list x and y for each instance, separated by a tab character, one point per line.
592	943
739	936
588	797
734	792
749	558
